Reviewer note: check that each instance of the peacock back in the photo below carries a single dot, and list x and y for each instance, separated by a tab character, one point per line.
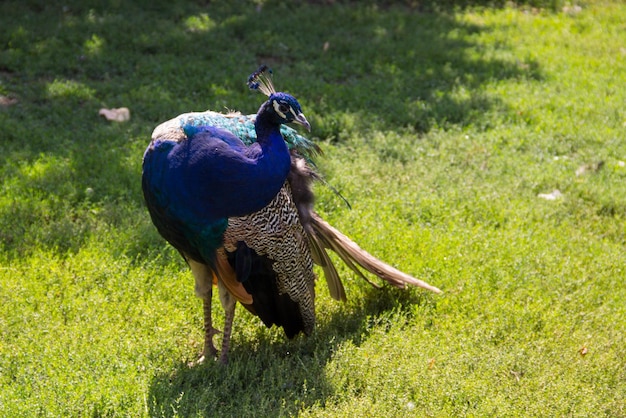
242	126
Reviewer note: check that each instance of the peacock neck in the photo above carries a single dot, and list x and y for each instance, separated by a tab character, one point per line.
266	127
269	137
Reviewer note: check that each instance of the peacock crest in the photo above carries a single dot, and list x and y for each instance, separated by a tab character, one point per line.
261	80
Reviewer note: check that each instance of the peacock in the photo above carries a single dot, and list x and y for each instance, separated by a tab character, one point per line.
233	194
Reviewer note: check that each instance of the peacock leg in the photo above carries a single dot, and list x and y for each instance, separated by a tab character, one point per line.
209	330
204	290
228	303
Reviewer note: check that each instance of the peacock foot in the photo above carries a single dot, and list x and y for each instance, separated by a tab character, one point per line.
209	350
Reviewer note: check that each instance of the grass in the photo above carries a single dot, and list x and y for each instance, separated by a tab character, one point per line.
441	128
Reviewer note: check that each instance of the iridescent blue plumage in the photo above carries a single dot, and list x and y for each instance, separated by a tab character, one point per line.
194	181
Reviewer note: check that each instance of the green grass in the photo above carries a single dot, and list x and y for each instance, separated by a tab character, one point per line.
440	127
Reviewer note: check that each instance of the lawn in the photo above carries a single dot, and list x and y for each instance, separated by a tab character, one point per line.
483	150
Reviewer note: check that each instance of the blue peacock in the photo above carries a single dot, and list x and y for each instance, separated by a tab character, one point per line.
232	193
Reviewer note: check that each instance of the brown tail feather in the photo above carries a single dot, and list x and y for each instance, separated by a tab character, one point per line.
326	236
320	257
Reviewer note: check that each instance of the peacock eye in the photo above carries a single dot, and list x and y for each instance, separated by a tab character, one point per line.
283	108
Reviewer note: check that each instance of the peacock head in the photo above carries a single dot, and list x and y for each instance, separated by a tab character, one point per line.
287	109
280	107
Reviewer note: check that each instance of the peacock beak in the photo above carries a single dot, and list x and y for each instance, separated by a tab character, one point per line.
301	120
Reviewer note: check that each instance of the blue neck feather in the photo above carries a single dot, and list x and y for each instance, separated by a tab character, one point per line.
266	125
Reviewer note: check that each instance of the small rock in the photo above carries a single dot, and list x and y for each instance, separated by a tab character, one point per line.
554	195
572	10
121	114
6	101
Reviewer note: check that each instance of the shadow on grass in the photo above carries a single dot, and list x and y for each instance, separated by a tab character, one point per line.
269	375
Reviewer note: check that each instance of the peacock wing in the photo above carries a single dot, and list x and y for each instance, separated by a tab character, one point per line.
269	252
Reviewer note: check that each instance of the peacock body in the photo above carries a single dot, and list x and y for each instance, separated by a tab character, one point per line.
233	194
267	250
